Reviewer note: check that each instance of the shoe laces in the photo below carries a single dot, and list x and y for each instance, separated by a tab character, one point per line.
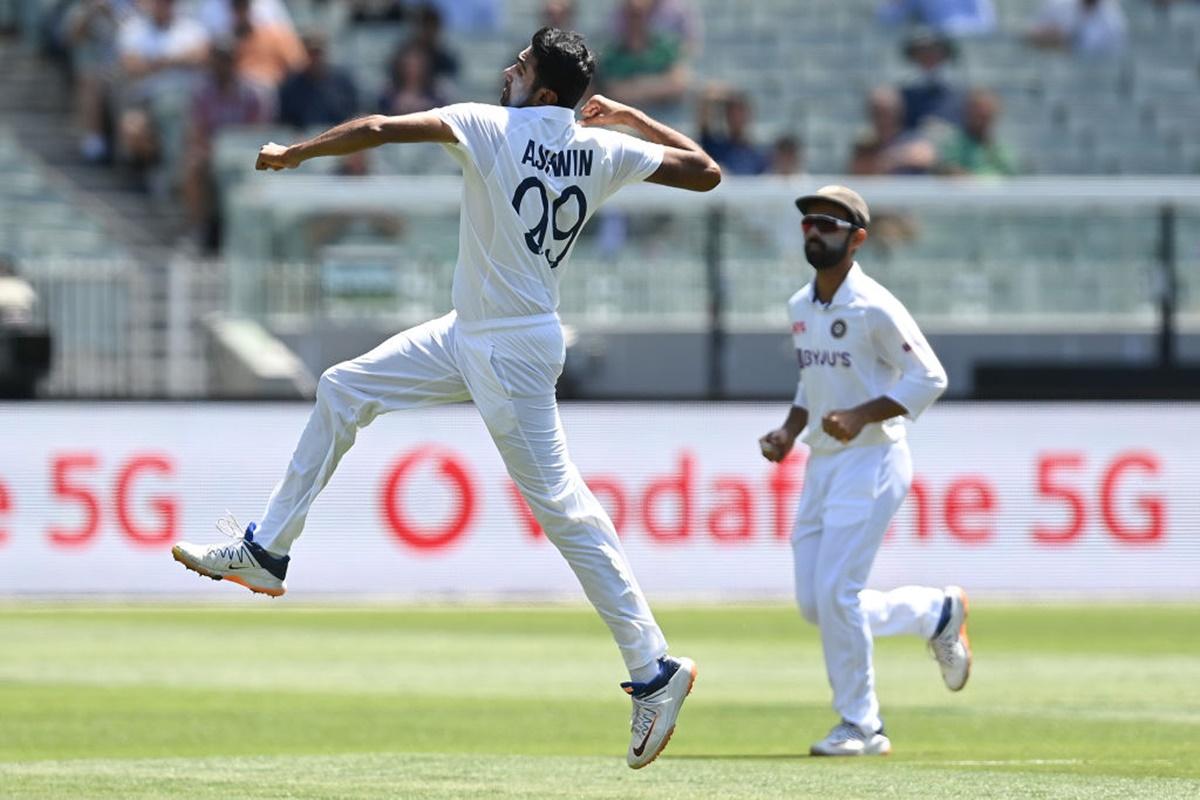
944	648
230	527
644	715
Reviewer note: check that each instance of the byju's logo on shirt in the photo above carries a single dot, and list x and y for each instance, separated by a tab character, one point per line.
822	358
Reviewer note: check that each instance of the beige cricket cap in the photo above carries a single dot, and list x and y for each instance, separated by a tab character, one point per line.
845	197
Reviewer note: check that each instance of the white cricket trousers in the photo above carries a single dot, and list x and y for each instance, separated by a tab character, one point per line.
846	505
509	368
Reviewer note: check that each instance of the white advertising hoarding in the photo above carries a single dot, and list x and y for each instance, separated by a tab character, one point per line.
1091	498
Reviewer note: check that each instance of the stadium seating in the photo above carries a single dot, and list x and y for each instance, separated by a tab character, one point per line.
38	217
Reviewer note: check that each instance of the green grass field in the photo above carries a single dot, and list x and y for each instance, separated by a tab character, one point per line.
282	700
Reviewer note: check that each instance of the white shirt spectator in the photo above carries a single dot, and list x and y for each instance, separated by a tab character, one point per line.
953	17
1099	30
140	37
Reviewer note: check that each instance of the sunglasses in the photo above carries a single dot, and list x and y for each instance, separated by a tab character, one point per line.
826	224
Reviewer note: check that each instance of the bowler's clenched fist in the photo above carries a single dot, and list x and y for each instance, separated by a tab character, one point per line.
276	157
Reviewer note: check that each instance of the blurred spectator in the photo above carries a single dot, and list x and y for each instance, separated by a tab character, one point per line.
729	143
427	34
644	67
377	10
354	165
225	99
17	298
932	96
341	227
91	31
675	19
1085	27
974	149
559	14
160	54
413	85
886	148
25	346
320	94
471	16
787	156
218	19
951	17
265	52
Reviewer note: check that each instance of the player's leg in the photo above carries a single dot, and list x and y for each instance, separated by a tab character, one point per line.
412	369
938	616
806	536
511	376
865	490
907	610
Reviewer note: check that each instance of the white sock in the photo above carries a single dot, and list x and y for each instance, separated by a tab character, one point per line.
646	673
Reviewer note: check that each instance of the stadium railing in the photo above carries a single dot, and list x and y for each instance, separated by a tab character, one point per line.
993	254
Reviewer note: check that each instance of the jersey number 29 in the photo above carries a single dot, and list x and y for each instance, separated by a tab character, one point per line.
535	237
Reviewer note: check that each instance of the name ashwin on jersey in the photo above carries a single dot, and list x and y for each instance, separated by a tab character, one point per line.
559	163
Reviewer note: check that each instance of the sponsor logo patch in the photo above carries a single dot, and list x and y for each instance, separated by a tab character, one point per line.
822	358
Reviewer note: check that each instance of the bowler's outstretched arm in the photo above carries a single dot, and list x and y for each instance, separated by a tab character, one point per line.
357	134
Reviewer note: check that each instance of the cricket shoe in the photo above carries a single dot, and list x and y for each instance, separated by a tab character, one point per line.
243	561
656	707
847	739
950	645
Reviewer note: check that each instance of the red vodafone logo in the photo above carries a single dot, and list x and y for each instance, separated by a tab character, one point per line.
454	475
684	505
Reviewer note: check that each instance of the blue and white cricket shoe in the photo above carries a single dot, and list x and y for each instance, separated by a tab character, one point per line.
847	739
656	707
951	645
244	561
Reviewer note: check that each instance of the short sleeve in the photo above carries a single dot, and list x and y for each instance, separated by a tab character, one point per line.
633	160
479	128
801	398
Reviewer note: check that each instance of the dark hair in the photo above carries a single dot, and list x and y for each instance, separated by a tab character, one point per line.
564	64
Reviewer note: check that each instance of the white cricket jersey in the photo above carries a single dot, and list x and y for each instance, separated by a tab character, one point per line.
531	178
862	345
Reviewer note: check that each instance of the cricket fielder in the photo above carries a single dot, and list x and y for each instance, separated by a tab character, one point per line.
863	366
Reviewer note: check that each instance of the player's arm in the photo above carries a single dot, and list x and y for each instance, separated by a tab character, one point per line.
685	165
776	445
845	425
355	135
899	342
